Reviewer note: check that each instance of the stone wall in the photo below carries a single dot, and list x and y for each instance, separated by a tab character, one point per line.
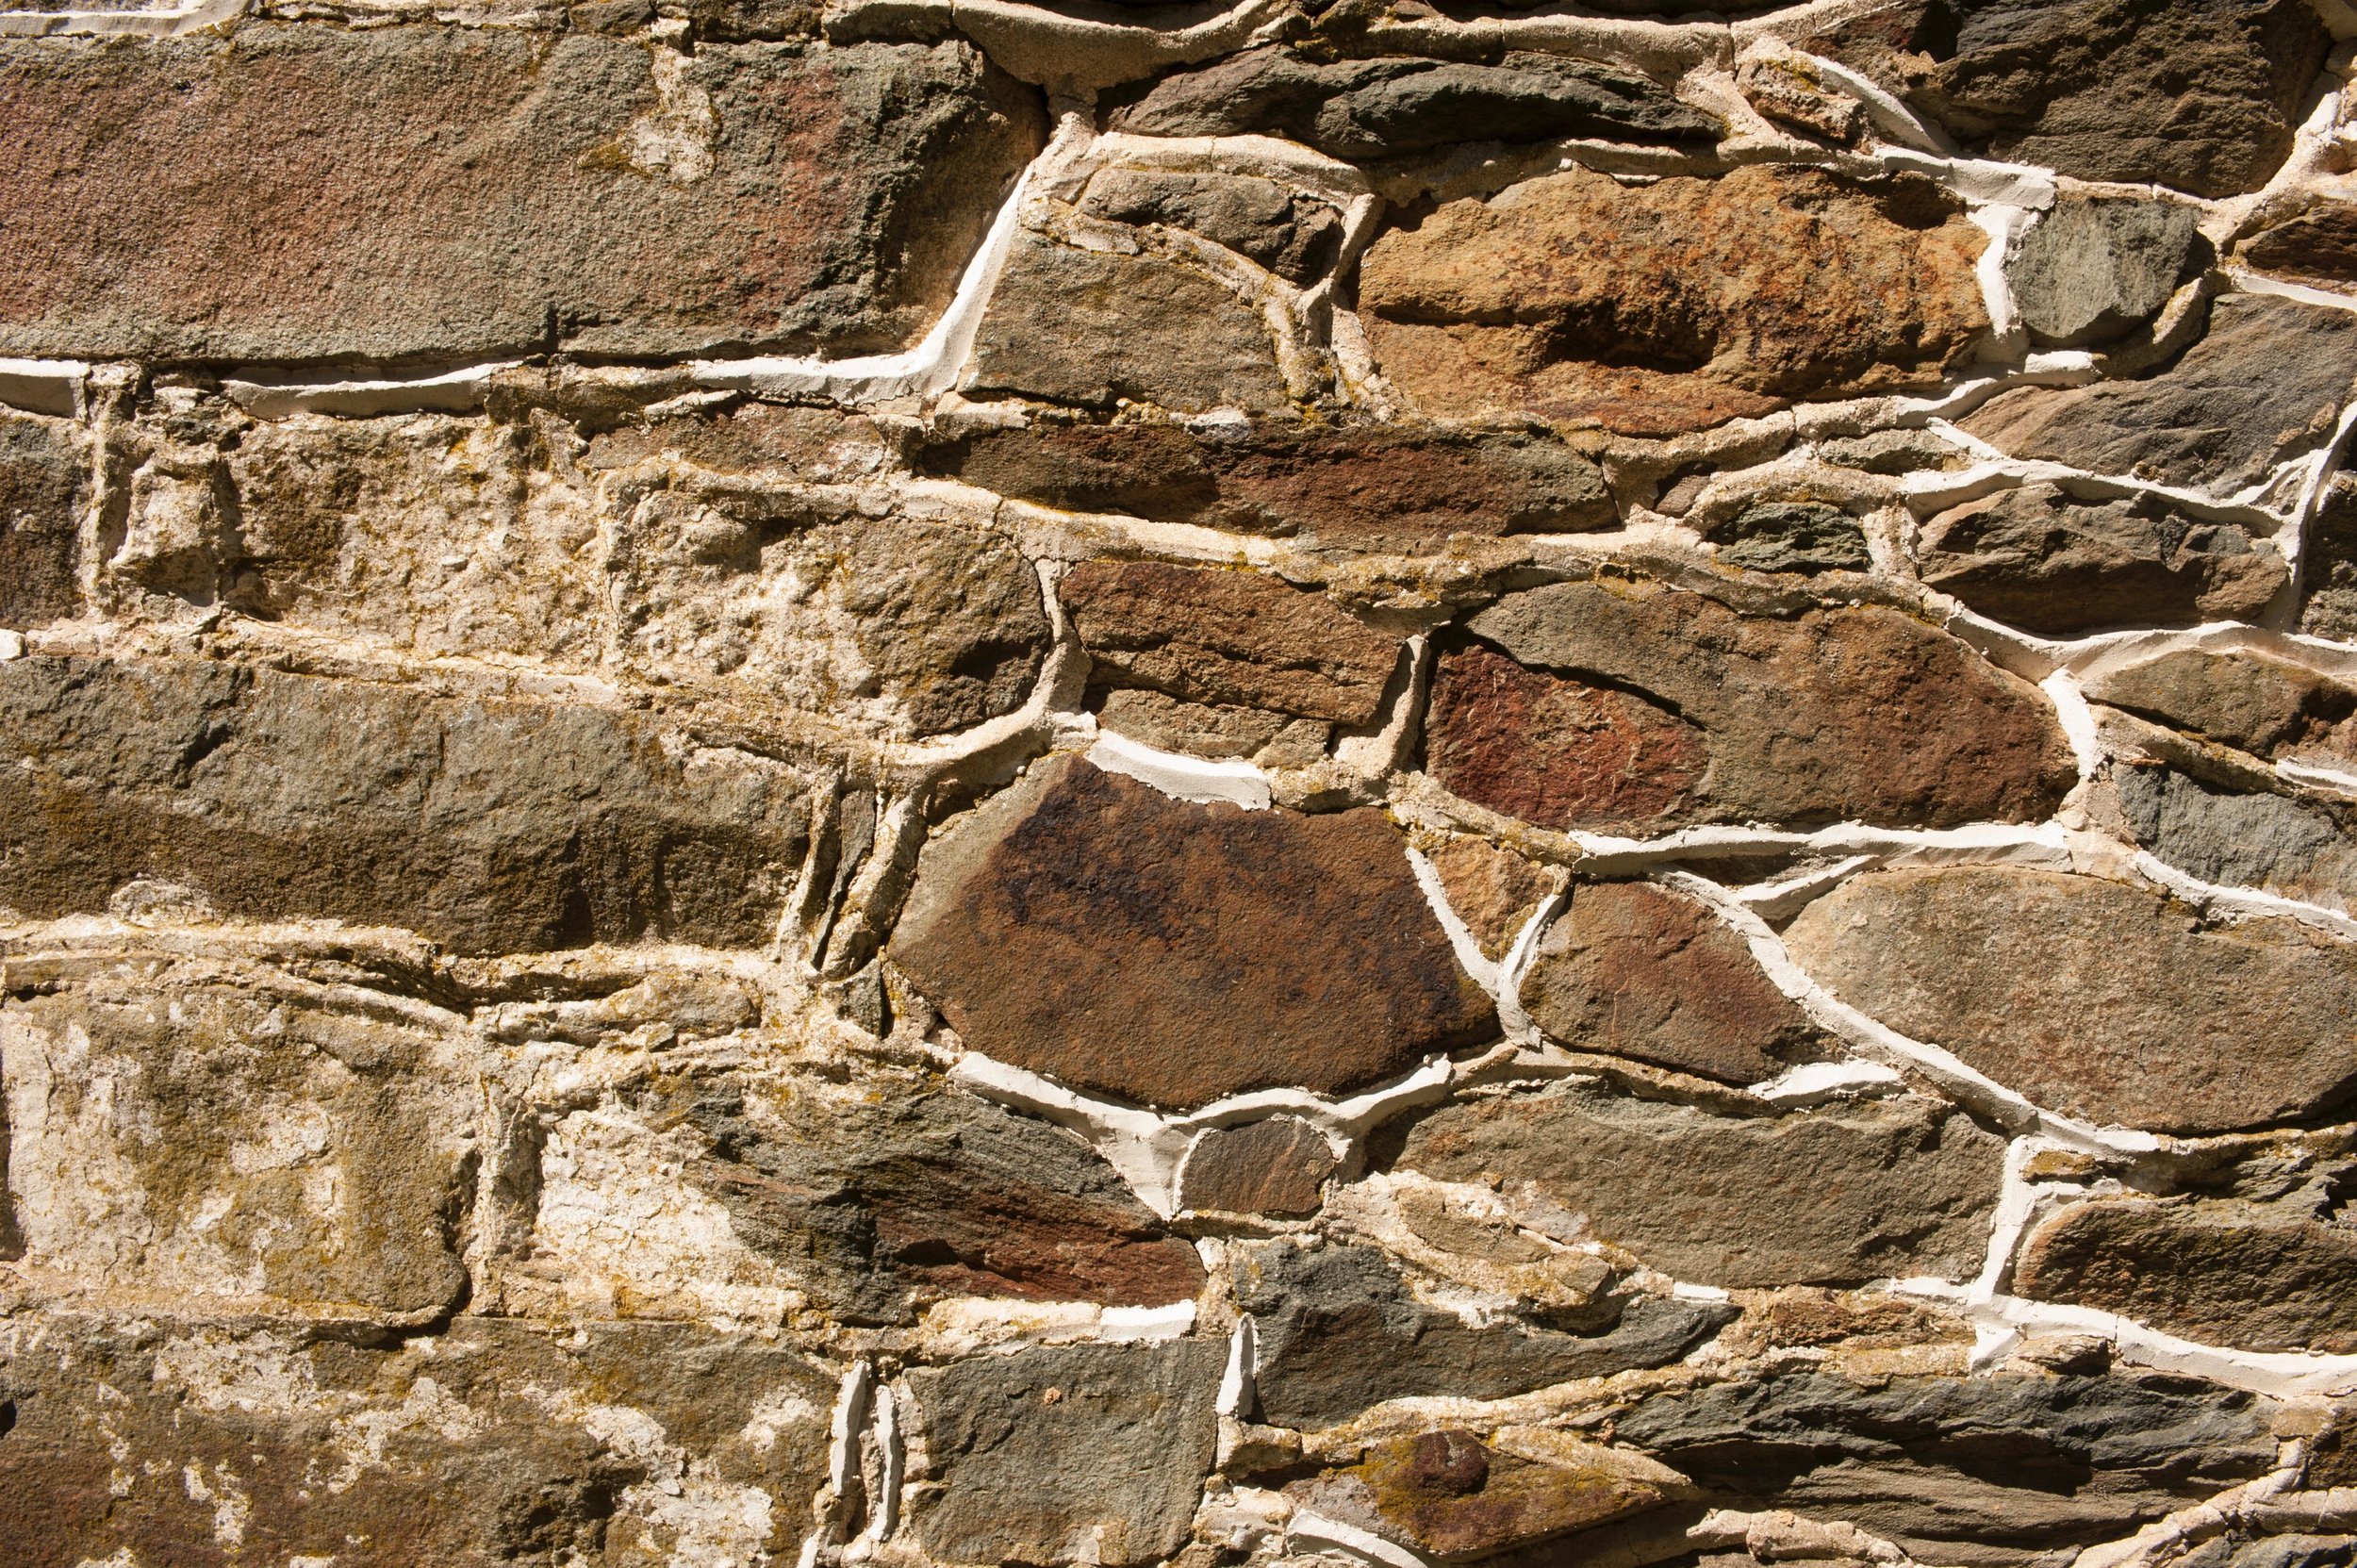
1369	783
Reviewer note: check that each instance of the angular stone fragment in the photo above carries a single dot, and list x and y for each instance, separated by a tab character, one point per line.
1374	108
2092	998
493	1442
2319	246
1089	927
1792	535
2242	840
2043	559
2095	266
1658	308
490	825
1235	638
1378	487
1635	970
2264	385
2269	707
44	480
1447	1494
1338	1331
1088	327
1273	1166
1495	891
1676	708
1835	1195
205	1129
1083	1453
463	193
1968	1470
2230	1273
2331	570
1295	236
885	1196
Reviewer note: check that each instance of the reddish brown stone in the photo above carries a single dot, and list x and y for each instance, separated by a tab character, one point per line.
1548	297
1676	708
449	193
2319	246
1093	928
1272	1166
1235	638
1637	970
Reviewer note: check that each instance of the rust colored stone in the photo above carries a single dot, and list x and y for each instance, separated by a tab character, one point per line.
1089	928
1273	1166
1233	638
1658	308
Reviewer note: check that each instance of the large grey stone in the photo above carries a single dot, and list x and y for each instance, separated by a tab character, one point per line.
2241	840
2094	998
1836	1194
2093	267
1083	1453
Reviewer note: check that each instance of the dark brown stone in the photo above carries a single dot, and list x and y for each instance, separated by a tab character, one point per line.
2269	707
2329	571
44	482
1295	237
2233	1274
1275	1165
2319	246
1233	637
1675	708
1668	306
1635	970
2044	560
462	192
487	825
1089	928
2093	998
1836	1194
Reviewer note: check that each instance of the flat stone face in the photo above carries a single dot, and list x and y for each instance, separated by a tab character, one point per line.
1981	1469
1295	236
460	193
1495	891
2302	851
205	1129
486	825
2049	562
1233	637
1635	970
1377	108
2265	385
1338	1331
2093	267
2318	246
1088	327
1088	927
2092	998
1273	1166
883	1196
1369	488
2222	1273
2269	707
1656	308
44	483
1837	1195
1084	1453
1674	708
2201	96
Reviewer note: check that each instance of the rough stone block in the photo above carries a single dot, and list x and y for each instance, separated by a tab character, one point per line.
44	486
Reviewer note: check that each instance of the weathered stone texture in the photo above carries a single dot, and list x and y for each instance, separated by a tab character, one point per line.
1272	1166
2094	267
44	485
1087	927
2267	706
1837	1195
2301	850
1662	308
487	824
1295	237
1792	535
2319	246
1673	707
2093	998
437	192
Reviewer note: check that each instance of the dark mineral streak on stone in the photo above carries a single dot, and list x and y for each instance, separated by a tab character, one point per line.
45	484
2093	267
1672	708
1338	1329
2265	385
1236	637
1275	1165
1083	1453
2094	998
1835	1195
887	1198
2233	1273
1640	971
440	192
488	825
1972	1470
2051	563
1088	927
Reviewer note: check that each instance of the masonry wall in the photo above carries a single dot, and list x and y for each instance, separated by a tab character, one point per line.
937	781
